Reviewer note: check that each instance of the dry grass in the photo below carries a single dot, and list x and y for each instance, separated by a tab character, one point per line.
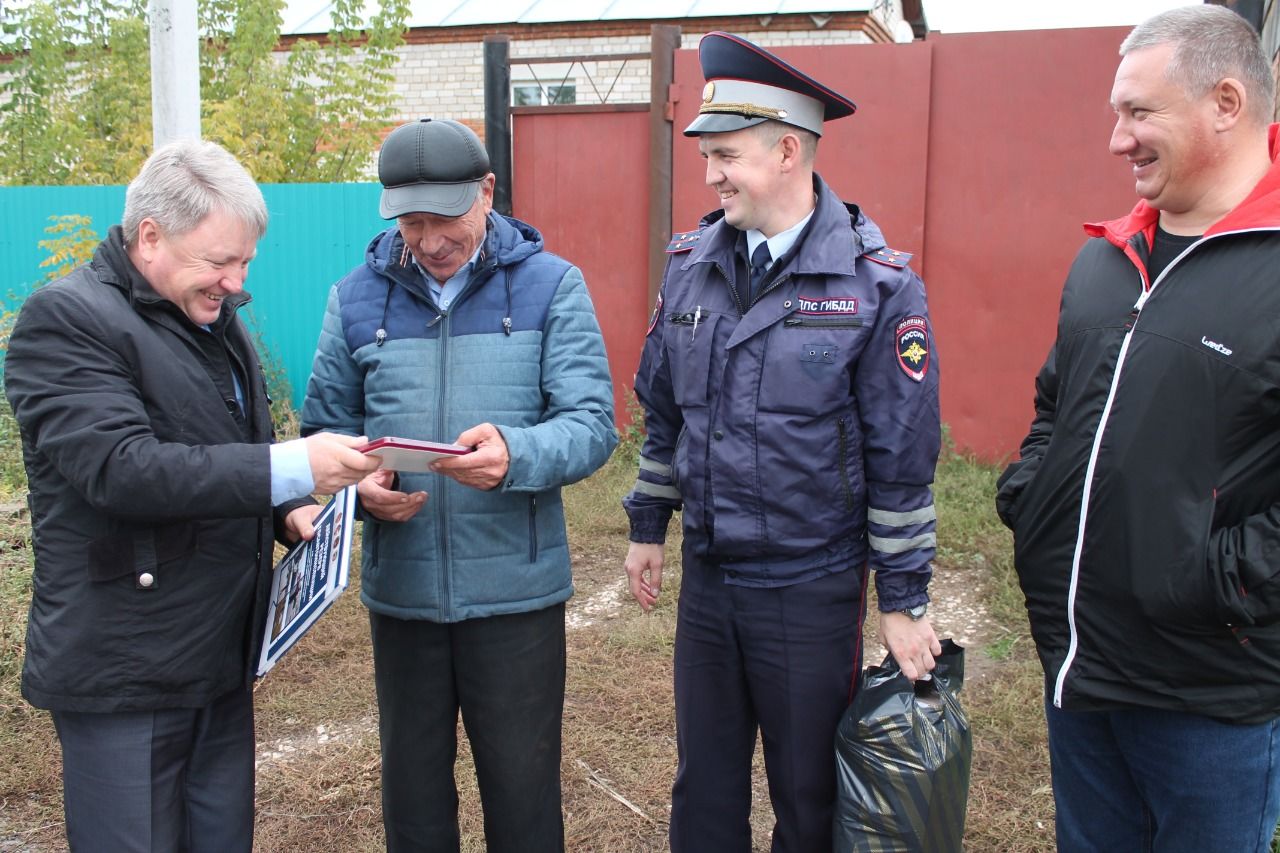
1010	801
30	780
318	782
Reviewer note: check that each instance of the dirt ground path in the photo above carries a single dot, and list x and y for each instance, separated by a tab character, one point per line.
601	598
325	752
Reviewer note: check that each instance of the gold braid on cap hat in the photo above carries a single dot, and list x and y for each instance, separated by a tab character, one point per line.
752	110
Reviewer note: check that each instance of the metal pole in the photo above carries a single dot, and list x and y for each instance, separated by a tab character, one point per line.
175	71
497	117
665	40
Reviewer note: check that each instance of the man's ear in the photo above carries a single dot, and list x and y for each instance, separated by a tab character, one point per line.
791	150
149	237
486	190
1229	100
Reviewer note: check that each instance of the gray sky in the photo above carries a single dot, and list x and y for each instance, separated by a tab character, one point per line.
960	16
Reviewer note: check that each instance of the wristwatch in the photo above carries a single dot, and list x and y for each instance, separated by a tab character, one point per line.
916	613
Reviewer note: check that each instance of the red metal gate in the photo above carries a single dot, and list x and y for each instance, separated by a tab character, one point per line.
581	179
979	153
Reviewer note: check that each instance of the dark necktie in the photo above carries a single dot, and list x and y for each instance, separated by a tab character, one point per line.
760	259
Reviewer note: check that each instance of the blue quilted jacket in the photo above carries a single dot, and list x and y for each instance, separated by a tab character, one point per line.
519	348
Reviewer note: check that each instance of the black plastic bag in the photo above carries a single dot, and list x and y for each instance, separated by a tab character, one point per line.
903	754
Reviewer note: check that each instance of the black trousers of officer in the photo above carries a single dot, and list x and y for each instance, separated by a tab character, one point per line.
506	674
782	660
179	779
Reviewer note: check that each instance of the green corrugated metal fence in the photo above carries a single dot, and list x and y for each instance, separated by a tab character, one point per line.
317	233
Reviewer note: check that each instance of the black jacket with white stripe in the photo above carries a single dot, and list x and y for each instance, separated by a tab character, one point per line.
1146	501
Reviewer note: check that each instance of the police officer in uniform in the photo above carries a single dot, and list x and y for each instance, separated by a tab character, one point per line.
790	389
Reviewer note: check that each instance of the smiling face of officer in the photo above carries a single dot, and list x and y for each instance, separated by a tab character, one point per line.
442	244
762	174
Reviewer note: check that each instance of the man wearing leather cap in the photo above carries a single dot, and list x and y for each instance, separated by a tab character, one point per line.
459	327
790	388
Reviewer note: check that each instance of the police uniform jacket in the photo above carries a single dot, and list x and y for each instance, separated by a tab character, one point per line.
799	436
1145	504
150	493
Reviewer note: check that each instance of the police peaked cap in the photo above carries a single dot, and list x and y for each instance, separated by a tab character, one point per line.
747	85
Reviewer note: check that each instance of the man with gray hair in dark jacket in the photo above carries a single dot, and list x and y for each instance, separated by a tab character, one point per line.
155	492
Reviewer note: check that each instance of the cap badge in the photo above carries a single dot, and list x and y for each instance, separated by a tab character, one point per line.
708	92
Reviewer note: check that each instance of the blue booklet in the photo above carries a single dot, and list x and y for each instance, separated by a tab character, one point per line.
309	578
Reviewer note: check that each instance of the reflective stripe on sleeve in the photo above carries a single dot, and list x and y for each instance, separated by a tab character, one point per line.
897	546
657	491
655	467
899	519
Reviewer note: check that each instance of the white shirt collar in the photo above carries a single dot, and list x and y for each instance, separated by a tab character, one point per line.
464	270
780	243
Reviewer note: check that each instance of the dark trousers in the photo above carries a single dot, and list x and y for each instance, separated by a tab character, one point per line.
506	674
160	781
782	660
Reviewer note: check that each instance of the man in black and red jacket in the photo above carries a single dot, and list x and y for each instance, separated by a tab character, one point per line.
1145	504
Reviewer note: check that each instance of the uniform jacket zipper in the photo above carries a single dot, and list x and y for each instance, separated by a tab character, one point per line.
844	469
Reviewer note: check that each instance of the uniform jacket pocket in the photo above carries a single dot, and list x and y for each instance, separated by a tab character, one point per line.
689	340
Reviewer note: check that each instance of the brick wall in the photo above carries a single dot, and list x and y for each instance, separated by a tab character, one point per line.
441	71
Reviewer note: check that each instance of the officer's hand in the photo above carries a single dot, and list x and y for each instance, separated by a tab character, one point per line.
485	467
335	464
911	642
379	500
644	573
298	524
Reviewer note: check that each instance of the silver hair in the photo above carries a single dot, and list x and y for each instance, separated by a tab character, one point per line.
183	182
1210	43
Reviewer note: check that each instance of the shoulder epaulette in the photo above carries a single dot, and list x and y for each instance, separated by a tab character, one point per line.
683	241
889	257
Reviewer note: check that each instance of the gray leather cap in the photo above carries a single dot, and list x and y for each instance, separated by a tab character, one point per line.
430	166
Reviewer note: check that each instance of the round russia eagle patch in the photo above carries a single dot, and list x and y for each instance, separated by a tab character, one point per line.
911	343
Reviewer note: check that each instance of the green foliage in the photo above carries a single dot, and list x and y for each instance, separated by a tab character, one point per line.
13	474
71	245
284	417
631	437
970	536
79	83
76	105
1002	648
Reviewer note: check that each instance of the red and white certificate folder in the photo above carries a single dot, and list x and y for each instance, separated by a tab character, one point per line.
411	454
